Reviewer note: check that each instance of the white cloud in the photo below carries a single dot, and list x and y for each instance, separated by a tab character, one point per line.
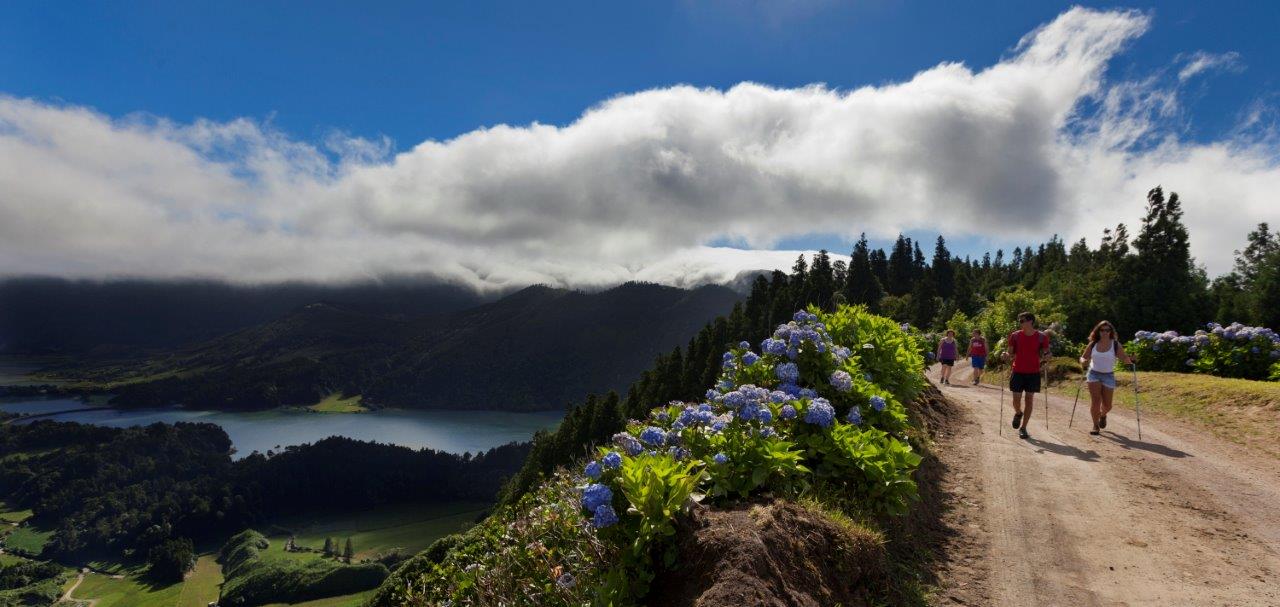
1201	61
638	185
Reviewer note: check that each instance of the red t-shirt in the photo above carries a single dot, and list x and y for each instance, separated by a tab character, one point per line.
978	346
1026	350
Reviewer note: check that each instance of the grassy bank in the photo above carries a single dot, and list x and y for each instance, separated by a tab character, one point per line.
335	403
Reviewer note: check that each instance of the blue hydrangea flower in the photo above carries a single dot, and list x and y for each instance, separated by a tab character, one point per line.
604	516
787	372
778	396
566	580
787	412
596	495
725	385
790	389
877	403
842	381
653	435
721	458
820	413
628	443
611	460
773	346
1191	362
712	394
593	470
854	417
808	393
768	432
662	415
744	345
764	415
750	358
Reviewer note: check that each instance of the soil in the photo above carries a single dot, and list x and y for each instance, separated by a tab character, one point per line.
768	554
1065	518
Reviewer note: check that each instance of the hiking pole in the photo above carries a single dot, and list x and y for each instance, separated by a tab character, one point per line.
1044	374
1073	404
1137	404
1001	424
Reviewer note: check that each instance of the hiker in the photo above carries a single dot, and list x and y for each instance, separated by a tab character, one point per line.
1101	355
947	348
1029	349
977	355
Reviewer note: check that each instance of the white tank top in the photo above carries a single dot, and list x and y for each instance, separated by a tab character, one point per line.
1103	362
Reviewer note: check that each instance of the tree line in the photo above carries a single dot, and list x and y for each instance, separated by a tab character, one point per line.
149	493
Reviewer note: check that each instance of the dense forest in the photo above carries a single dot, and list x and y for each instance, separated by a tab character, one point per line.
1150	282
553	346
148	492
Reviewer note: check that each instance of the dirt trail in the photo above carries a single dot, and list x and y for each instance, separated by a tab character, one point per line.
67	598
1065	518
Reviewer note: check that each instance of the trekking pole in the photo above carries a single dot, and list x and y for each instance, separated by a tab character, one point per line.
1002	383
1137	404
1073	404
1044	375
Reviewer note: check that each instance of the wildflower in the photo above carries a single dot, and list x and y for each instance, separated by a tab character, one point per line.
611	460
566	581
854	417
596	495
721	458
877	403
787	412
840	380
820	413
628	443
653	435
787	372
604	516
750	358
593	470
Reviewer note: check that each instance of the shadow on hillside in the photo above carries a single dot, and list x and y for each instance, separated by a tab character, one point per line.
1156	448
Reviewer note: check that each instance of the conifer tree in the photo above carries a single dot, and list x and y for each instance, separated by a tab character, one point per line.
861	285
347	551
943	273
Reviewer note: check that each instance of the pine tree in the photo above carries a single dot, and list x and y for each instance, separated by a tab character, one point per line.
1164	290
821	283
880	267
901	272
943	273
348	552
328	546
924	302
861	285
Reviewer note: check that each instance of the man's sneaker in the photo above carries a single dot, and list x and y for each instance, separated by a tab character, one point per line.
1023	434
1102	422
1017	419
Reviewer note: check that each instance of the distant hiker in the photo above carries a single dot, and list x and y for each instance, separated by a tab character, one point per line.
977	354
1029	349
947	355
1101	355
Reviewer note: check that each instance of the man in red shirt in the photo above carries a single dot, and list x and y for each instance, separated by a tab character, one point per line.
1029	349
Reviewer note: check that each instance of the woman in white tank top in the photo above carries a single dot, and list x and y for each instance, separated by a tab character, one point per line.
1101	355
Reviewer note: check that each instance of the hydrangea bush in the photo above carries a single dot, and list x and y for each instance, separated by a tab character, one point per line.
818	405
1233	350
820	402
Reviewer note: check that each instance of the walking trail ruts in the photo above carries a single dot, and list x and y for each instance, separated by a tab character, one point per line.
1065	518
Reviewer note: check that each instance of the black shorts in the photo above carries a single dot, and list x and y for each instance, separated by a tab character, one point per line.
948	362
1024	382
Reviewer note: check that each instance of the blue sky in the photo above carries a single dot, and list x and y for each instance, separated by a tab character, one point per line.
412	72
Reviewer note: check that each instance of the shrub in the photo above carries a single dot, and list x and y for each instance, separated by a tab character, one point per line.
1234	350
172	559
